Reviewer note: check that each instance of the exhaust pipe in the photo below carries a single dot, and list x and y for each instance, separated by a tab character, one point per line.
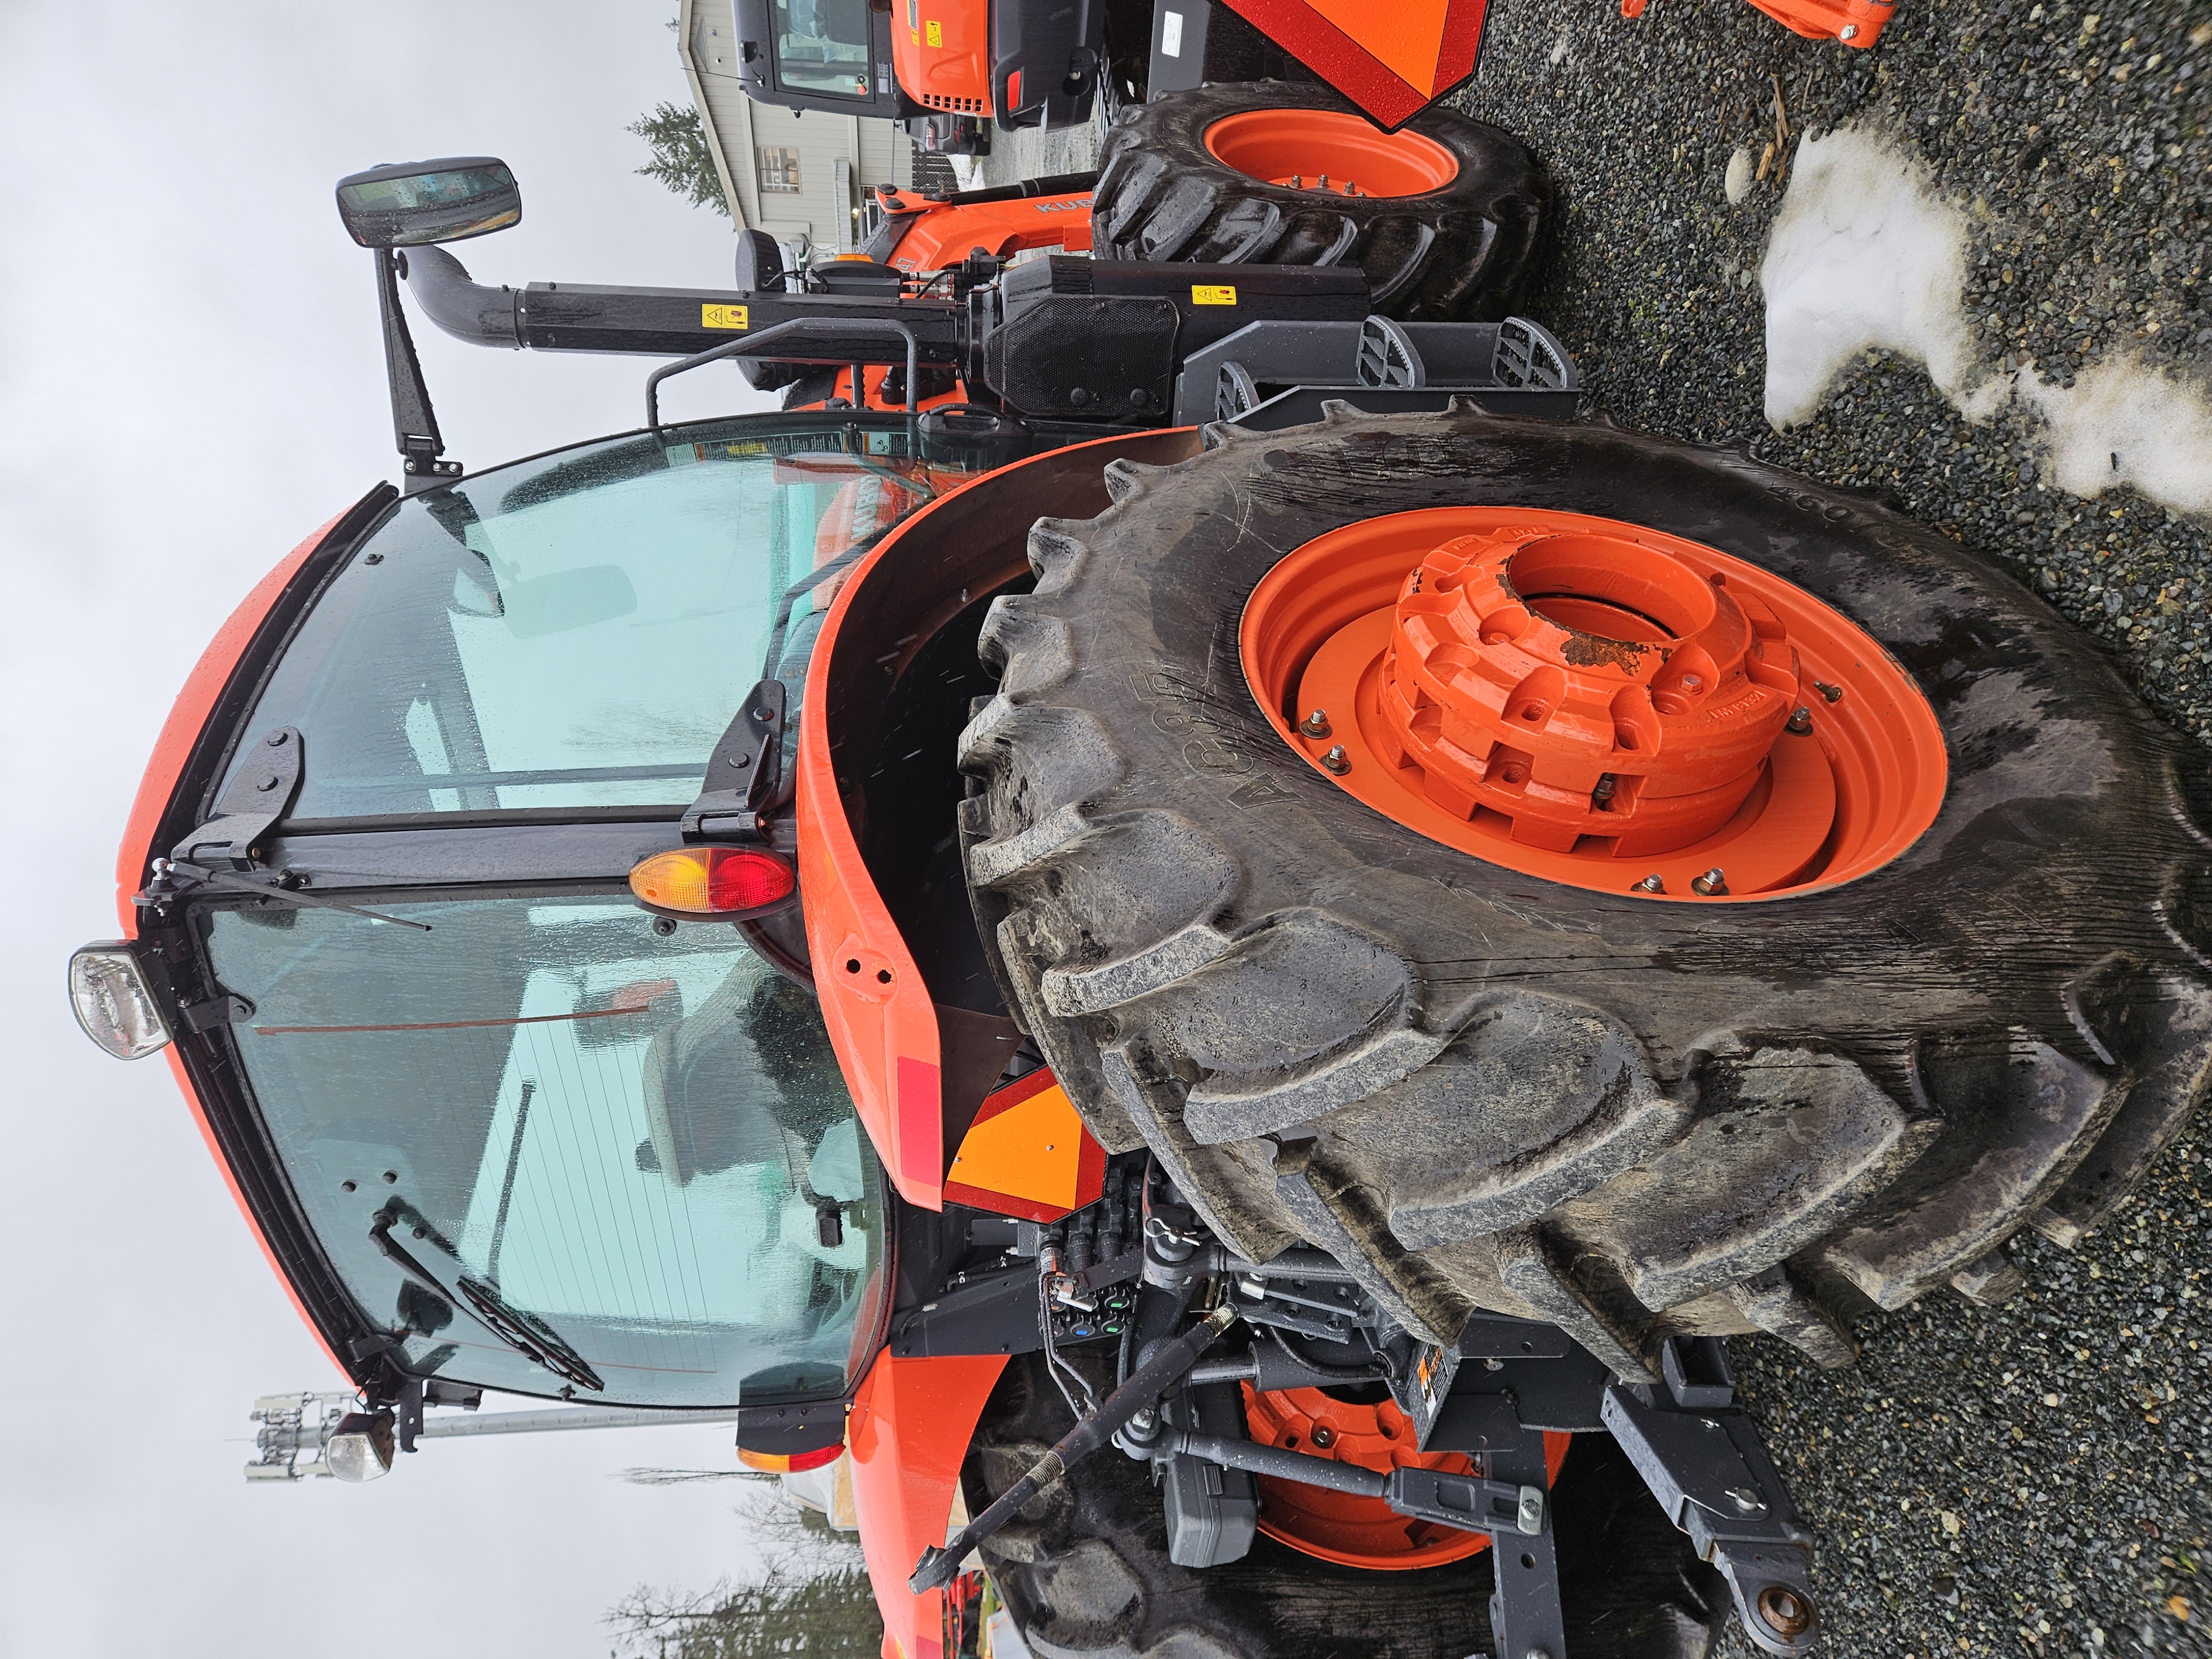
467	310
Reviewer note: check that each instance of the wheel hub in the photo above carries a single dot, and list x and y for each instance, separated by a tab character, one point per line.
1583	684
1595	702
1329	151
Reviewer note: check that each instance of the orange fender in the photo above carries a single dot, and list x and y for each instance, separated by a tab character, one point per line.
917	1076
907	1435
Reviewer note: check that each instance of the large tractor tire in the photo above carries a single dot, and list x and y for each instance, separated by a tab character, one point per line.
1084	1567
1977	999
1449	218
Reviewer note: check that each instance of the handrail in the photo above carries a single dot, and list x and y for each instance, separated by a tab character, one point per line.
753	346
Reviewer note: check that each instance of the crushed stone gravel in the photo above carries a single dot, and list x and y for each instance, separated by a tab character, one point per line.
2036	1479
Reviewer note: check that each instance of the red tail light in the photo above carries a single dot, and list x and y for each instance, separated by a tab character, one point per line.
712	881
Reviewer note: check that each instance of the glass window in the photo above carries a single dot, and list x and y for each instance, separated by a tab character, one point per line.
822	46
779	169
576	631
631	1140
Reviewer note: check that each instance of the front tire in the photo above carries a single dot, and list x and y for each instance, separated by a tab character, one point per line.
1483	1089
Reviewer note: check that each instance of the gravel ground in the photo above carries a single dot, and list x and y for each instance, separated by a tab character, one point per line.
2035	1480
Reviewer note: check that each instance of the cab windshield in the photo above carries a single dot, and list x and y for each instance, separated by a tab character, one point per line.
640	1142
575	633
822	45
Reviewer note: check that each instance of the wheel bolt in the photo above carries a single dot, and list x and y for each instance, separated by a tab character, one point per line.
1712	885
1315	725
1323	1436
1651	884
1337	761
1801	720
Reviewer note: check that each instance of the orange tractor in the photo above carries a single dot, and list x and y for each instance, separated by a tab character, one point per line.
1182	916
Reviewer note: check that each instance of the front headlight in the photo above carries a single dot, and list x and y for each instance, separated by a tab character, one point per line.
108	990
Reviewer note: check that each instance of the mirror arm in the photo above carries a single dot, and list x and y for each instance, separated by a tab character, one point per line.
414	423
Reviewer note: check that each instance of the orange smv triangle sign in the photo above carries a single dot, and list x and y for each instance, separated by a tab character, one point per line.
1392	57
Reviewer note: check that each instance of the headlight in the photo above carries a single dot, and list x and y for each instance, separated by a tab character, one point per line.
360	1448
109	991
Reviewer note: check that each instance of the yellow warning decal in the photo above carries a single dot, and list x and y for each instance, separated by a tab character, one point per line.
725	317
1203	294
936	34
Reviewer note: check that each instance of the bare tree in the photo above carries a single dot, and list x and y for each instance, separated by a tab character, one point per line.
830	1615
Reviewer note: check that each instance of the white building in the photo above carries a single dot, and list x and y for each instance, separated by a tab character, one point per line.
802	177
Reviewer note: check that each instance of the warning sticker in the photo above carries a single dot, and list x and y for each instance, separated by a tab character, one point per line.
1201	295
936	32
724	316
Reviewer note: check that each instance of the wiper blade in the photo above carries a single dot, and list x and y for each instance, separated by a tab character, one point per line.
527	1334
199	874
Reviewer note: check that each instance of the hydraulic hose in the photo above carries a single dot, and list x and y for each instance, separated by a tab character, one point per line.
938	1567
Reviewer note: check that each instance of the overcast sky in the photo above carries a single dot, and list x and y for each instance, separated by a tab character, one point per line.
190	383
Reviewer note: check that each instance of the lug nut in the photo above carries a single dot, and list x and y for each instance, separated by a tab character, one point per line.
1337	761
1712	885
1323	1436
1315	725
1801	720
1651	884
1785	1612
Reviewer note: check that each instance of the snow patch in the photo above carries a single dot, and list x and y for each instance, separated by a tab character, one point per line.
1865	256
2123	422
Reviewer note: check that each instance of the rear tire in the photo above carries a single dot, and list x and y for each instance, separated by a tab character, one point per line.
1084	1567
1480	1089
1470	250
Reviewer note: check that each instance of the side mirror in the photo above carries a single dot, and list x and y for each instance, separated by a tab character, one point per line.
410	204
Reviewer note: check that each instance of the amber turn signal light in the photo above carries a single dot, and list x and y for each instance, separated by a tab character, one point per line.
712	881
794	1463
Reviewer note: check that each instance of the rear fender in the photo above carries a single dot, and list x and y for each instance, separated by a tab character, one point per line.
918	1072
907	1435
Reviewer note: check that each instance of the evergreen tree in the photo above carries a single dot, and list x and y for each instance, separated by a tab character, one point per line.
681	159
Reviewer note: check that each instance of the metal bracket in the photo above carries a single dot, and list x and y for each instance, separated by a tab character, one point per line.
224	1008
256	802
744	774
1711	1473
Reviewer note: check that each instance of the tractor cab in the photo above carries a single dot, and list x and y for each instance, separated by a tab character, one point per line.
545	1102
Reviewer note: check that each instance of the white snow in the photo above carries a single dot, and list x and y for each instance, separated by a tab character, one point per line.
1865	256
2123	422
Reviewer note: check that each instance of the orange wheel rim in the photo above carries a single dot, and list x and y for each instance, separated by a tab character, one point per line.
1595	702
1339	1527
1329	150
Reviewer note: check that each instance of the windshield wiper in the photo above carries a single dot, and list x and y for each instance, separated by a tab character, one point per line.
175	870
527	1334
